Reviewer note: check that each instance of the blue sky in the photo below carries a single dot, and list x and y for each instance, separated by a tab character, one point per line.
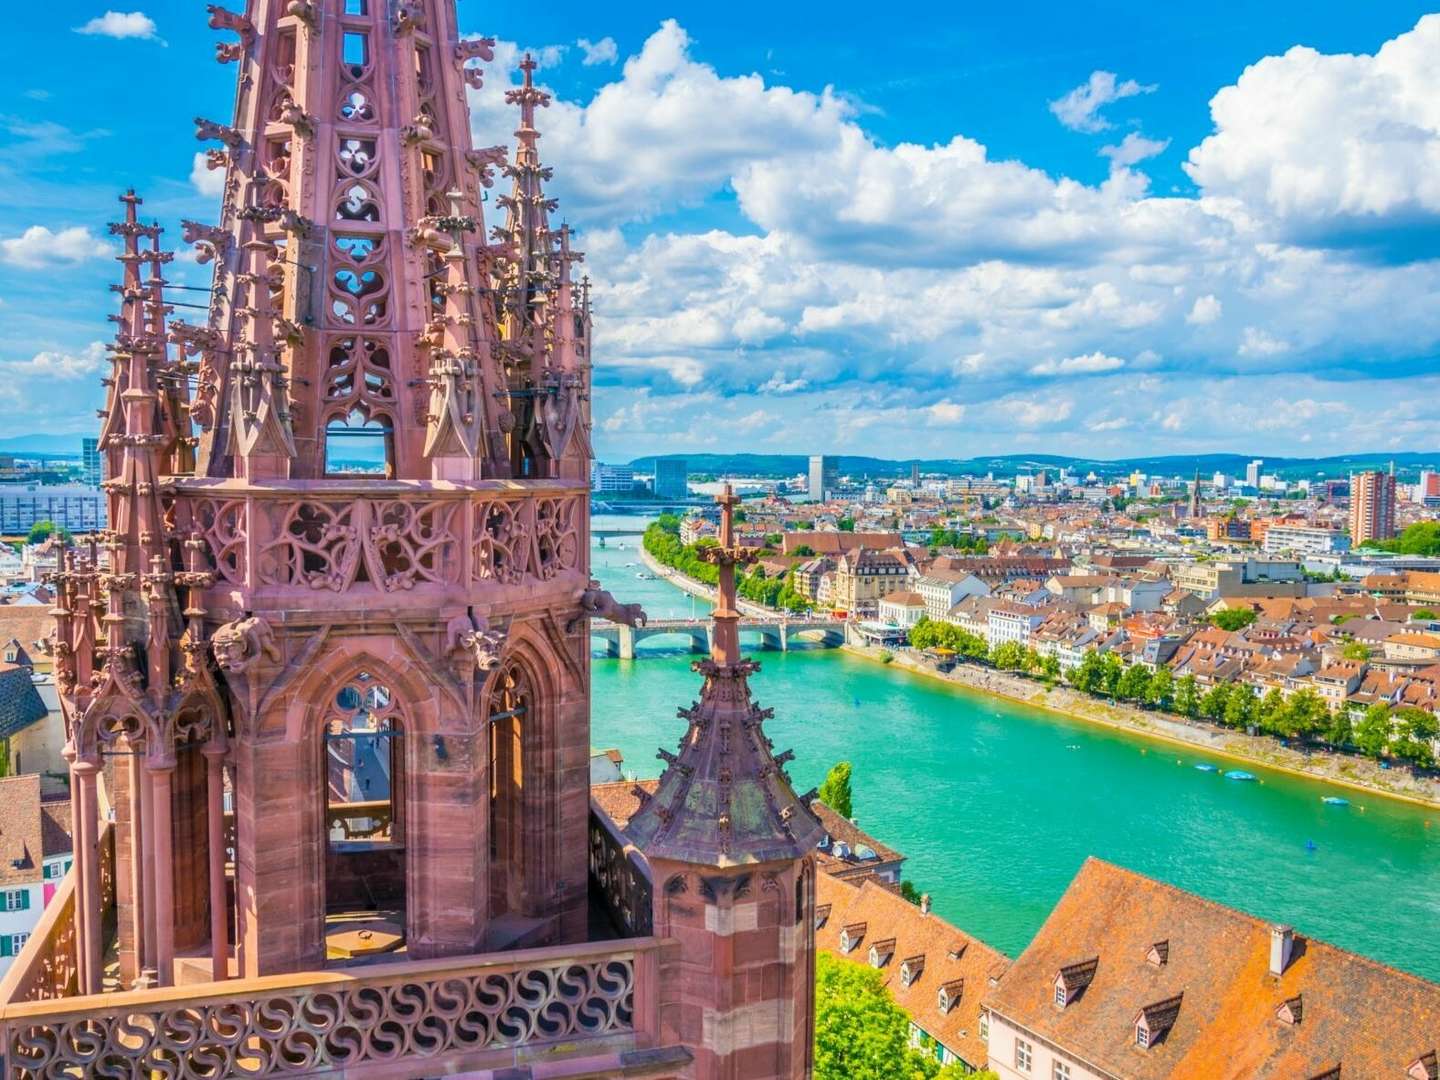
1101	229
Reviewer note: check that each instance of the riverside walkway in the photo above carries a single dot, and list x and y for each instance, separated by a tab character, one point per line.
775	632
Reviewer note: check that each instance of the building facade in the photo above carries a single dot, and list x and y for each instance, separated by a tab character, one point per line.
672	478
824	477
1372	507
611	479
79	509
90	462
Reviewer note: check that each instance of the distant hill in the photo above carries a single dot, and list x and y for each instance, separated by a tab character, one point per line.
1010	464
46	445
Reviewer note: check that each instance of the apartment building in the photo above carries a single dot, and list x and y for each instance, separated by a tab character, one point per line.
1372	507
1241	577
34	855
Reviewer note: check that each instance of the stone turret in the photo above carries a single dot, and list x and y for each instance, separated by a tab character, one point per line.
729	844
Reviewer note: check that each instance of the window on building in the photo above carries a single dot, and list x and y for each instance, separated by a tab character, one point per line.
15	899
11	944
1142	1036
1024	1055
1059	995
1061	1071
984	1025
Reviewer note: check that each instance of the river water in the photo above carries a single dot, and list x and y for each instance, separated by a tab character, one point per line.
996	804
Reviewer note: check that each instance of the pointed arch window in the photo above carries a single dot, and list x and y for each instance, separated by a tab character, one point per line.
358	444
362	761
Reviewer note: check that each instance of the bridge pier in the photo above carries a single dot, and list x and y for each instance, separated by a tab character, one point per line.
626	641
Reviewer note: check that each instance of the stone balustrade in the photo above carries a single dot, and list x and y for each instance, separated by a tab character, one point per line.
592	1001
386	536
621	875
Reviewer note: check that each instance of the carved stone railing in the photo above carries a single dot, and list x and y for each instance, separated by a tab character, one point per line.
46	967
346	817
389	536
424	1018
621	876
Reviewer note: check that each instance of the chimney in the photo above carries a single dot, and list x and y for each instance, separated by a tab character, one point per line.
925	903
1282	941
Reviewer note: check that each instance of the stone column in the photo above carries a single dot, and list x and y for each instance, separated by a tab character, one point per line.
215	842
163	868
142	870
89	947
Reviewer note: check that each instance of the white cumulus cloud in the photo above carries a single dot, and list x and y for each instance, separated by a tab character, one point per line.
122	24
1204	311
1133	149
37	247
604	51
1079	109
1086	364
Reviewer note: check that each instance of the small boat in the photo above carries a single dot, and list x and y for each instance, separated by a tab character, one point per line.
1072	746
1239	774
1204	767
1335	800
1310	845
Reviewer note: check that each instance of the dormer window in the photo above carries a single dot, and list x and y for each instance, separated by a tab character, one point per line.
1154	1021
910	969
1071	981
949	995
1159	954
881	951
1425	1067
851	936
822	915
1289	1011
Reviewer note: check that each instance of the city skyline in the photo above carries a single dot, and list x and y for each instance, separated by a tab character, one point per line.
1053	243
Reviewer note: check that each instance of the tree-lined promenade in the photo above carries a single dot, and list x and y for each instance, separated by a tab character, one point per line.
1381	732
662	542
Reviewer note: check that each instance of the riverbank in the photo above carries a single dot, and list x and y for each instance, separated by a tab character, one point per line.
1360	774
696	588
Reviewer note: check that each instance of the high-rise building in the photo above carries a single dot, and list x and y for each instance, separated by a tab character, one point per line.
672	478
1252	473
1427	491
90	462
915	474
611	479
824	472
1372	507
327	685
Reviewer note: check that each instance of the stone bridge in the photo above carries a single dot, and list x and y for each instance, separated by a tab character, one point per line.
773	633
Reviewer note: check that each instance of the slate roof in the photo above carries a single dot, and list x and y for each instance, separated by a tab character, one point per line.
22	842
1366	1018
20	704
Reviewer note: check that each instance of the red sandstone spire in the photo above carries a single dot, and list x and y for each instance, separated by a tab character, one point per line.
725	800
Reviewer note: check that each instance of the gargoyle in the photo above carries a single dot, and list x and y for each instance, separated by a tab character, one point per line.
239	644
481	48
221	19
596	602
209	129
483	644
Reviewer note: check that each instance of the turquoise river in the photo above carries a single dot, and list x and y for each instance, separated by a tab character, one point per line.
995	805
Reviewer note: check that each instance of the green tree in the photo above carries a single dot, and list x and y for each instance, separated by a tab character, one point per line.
1161	691
860	1033
1417	730
1050	667
1423	614
1088	676
846	524
1306	714
1213	703
1134	683
1240	708
1372	733
835	790
1338	729
1356	650
1112	670
1187	697
41	530
805	550
1009	656
1270	714
1233	619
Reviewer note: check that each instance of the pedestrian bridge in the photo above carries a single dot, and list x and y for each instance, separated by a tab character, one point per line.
771	633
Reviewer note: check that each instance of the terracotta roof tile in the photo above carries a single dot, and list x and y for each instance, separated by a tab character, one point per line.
1370	1020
